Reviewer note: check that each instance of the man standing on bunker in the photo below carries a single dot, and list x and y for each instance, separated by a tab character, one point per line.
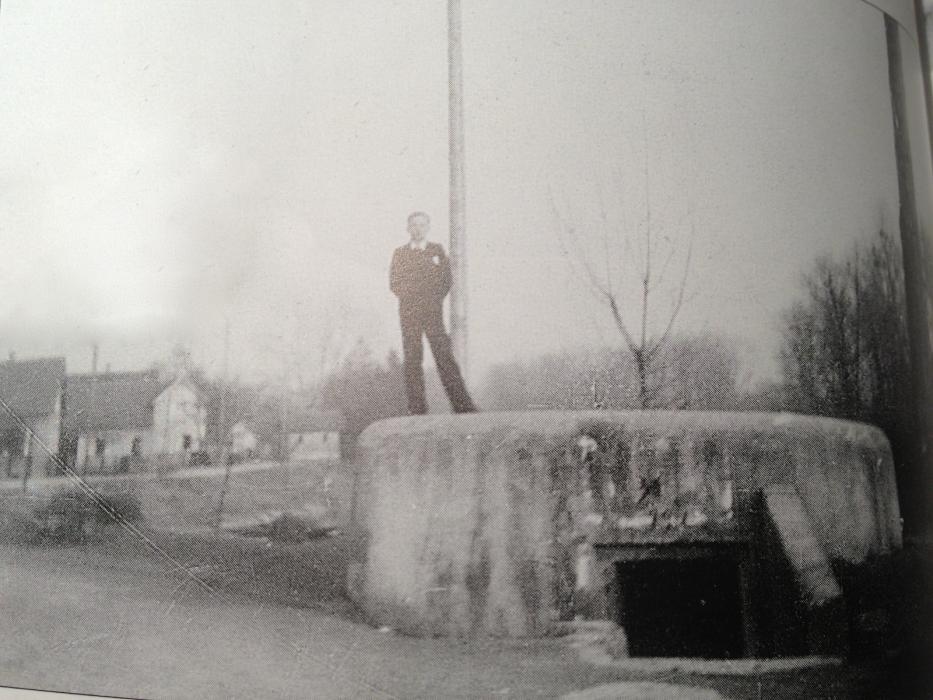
420	278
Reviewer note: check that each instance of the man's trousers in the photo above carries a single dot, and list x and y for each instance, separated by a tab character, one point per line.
428	320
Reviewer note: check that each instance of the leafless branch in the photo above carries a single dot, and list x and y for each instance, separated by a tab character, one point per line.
620	324
604	217
679	301
663	271
574	251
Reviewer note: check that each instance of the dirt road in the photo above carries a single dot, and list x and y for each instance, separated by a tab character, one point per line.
119	621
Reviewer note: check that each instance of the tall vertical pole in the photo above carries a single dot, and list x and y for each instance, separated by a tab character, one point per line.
90	416
916	486
284	439
458	293
222	432
923	39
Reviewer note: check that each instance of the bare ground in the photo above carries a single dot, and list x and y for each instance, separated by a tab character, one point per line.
270	597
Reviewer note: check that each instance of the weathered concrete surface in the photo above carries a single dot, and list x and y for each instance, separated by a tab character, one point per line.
799	543
481	524
643	690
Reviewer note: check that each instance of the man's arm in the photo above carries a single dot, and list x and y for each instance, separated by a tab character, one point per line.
445	278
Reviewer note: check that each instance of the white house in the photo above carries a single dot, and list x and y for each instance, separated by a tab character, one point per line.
114	421
243	440
314	435
32	392
178	418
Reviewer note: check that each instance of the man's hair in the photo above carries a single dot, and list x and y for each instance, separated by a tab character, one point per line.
416	214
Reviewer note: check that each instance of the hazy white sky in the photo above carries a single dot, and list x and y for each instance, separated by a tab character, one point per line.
166	165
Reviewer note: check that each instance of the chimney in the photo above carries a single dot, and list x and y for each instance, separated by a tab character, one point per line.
12	356
94	352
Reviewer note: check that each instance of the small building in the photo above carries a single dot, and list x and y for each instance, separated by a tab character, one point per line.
179	417
314	435
30	415
109	419
116	420
244	442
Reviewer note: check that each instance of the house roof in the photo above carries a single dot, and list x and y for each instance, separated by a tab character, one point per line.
30	388
184	378
111	401
312	421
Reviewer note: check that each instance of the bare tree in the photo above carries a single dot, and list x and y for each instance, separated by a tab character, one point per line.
846	353
700	372
845	344
638	274
363	390
695	372
315	346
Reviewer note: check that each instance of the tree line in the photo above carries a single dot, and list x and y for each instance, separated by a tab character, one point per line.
843	354
846	353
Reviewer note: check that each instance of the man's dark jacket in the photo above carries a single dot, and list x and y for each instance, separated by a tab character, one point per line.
420	278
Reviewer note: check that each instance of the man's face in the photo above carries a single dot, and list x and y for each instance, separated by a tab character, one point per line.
418	227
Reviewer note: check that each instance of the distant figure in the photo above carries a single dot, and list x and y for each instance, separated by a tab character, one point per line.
420	278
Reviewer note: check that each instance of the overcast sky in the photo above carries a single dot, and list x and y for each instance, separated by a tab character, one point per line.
167	165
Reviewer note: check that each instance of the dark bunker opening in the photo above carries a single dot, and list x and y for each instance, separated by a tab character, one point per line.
681	607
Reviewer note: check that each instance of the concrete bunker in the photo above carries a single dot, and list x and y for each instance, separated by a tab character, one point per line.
698	534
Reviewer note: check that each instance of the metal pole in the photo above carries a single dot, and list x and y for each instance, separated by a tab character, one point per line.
222	431
458	293
27	459
91	411
923	39
284	441
918	328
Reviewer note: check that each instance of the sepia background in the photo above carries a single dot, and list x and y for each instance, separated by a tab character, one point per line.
688	206
166	167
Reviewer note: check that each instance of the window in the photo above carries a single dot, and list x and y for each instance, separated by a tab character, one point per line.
186	442
99	446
